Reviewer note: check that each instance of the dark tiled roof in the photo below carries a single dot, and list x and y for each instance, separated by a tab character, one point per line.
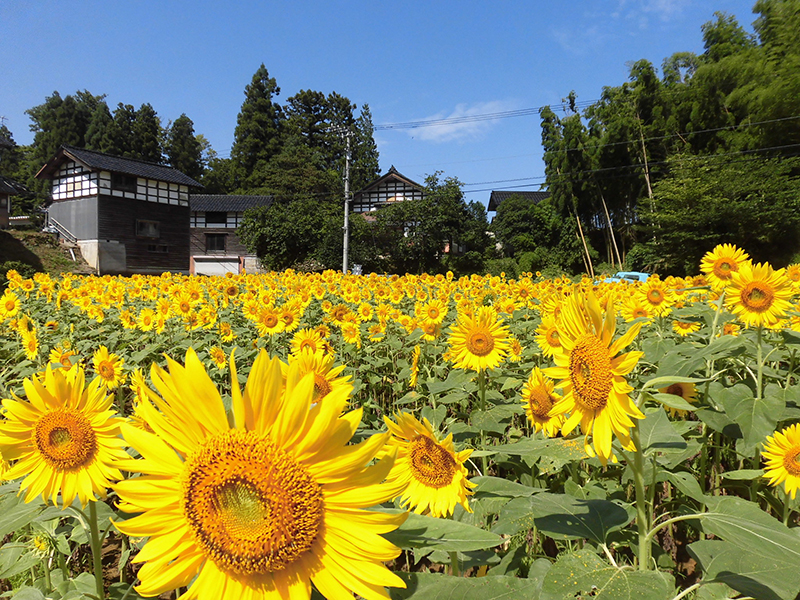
98	161
499	195
224	203
11	187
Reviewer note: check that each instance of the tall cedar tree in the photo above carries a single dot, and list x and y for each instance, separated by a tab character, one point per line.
183	149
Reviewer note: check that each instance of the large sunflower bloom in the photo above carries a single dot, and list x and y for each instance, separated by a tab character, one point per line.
721	263
327	377
480	341
263	508
63	437
431	473
758	295
596	394
781	452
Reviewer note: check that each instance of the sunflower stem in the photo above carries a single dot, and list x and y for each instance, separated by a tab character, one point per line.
454	569
642	517
482	391
97	558
760	360
47	581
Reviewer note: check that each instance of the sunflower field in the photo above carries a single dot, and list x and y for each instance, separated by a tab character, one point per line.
293	436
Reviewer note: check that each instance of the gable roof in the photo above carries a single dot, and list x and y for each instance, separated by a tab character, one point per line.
392	173
499	195
98	161
11	187
225	203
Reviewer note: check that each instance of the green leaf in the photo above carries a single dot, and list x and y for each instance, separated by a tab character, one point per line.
431	586
744	474
667	380
562	448
562	517
746	572
16	513
687	484
756	418
28	593
584	575
657	433
566	516
722	347
501	487
420	531
672	401
16	558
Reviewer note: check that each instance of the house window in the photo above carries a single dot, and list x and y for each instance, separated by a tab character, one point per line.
4	202
123	183
216	218
159	248
148	229
215	242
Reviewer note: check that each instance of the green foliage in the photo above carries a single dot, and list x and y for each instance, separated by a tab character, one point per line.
183	149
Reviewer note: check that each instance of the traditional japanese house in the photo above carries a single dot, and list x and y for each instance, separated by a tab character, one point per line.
391	187
126	215
215	246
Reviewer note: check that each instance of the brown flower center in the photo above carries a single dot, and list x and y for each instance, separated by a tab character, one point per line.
757	296
431	464
480	343
251	506
65	439
590	372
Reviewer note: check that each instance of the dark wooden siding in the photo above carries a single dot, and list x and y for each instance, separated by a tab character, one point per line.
233	245
117	219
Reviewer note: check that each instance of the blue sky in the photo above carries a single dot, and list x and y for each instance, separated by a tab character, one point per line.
409	61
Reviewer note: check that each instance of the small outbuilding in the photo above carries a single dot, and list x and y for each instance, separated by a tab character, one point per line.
126	215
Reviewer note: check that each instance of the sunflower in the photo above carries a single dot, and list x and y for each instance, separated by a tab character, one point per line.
656	295
547	337
684	328
538	398
415	354
109	367
432	473
307	339
63	437
261	509
269	321
351	333
687	391
63	356
634	307
217	355
327	377
758	295
478	342
721	263
592	375
225	331
9	305
30	344
781	452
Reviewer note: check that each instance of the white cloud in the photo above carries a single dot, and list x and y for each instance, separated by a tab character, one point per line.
460	129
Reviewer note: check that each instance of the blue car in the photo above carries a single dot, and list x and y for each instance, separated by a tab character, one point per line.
627	276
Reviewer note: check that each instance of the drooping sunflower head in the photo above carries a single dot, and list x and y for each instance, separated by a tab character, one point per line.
721	263
63	438
547	336
479	342
431	473
759	295
684	328
687	391
782	456
327	376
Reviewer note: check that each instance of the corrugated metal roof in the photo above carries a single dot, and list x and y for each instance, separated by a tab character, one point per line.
226	203
98	161
499	195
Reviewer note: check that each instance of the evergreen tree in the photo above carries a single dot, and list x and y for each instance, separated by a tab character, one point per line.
122	132
183	149
147	135
100	133
257	137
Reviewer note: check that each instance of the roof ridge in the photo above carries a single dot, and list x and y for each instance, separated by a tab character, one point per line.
139	160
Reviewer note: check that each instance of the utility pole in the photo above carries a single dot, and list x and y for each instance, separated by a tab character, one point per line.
348	134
